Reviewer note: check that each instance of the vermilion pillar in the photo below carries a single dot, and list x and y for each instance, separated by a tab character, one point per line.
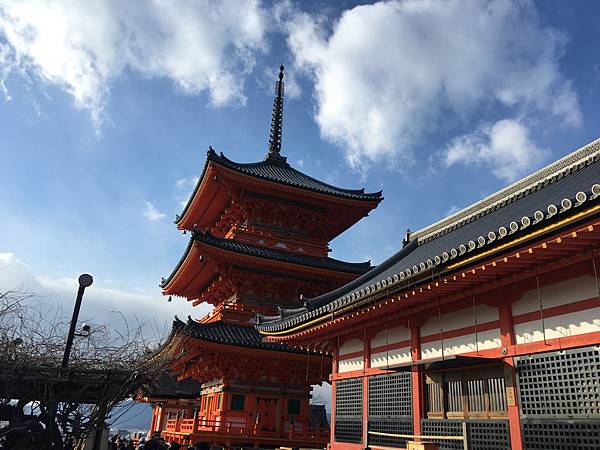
153	424
417	380
365	396
507	337
334	370
160	418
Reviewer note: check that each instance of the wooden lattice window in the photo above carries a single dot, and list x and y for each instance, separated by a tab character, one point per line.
473	393
238	402
293	406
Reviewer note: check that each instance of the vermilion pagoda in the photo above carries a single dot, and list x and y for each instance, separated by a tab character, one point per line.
260	234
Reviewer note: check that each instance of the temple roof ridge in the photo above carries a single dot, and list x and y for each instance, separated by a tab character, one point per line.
547	174
526	208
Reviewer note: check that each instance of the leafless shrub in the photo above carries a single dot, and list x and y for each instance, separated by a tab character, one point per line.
106	366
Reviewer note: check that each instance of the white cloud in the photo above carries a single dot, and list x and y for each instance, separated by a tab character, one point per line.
388	73
153	214
202	46
504	148
110	305
185	186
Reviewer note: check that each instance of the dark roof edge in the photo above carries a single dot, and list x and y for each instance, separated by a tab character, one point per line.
166	281
254	250
356	194
211	155
557	169
187	329
440	261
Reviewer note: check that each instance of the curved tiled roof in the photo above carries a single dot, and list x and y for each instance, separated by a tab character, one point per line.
551	194
220	332
277	170
268	253
277	255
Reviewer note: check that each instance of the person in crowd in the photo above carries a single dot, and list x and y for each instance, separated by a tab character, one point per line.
114	442
174	446
154	443
141	444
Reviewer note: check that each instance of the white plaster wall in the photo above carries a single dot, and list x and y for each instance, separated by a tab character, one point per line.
351	346
396	356
571	324
462	344
348	365
396	334
460	319
568	291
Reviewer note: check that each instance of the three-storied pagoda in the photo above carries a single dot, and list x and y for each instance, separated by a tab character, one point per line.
259	242
482	332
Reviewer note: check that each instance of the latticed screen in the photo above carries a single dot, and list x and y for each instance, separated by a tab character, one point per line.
559	394
348	410
390	408
563	384
563	435
455	401
471	394
483	434
390	396
497	393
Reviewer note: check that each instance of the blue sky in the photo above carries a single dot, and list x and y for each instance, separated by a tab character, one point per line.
106	112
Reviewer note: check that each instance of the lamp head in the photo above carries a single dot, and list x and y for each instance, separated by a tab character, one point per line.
85	280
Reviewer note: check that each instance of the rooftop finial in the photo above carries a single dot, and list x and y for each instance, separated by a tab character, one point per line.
277	121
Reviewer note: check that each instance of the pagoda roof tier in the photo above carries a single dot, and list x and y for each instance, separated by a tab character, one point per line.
208	351
220	332
167	387
273	178
198	264
563	193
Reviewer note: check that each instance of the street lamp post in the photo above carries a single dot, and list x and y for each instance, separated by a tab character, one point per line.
85	280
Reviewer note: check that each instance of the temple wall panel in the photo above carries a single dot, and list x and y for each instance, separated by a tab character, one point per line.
564	325
390	336
462	344
460	319
556	294
351	364
350	345
395	356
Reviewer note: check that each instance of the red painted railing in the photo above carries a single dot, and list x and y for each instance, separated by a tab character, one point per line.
202	426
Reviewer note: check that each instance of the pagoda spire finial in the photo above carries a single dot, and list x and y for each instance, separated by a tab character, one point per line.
277	121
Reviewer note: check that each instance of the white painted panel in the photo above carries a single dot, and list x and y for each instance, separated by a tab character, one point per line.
462	344
351	346
460	319
569	291
571	324
396	356
348	365
393	335
466	343
431	350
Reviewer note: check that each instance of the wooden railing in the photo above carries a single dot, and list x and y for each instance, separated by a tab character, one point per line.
202	426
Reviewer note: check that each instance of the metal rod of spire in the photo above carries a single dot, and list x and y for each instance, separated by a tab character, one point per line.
277	118
85	280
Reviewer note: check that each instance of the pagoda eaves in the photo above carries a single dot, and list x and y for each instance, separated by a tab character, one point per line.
208	256
224	182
